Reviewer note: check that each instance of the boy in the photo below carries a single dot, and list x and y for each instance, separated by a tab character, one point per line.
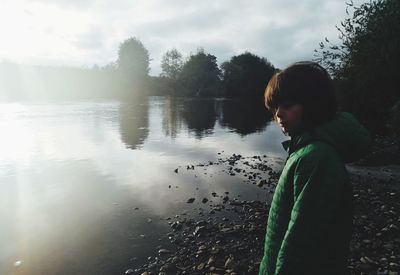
310	220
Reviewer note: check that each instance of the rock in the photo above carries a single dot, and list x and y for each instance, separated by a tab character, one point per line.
215	250
129	271
229	263
199	230
236	203
261	183
191	200
393	227
163	251
367	260
167	268
204	200
226	230
200	266
367	241
176	226
176	170
383	260
201	223
393	265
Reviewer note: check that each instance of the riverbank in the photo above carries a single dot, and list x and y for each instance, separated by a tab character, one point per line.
229	238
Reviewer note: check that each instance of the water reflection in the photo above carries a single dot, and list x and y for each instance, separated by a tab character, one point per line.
196	115
243	116
171	123
134	123
199	115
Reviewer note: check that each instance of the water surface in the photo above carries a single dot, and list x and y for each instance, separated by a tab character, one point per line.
85	187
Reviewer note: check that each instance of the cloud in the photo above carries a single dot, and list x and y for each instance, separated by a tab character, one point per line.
91	39
78	5
281	31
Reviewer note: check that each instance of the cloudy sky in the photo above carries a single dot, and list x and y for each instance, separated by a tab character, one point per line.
88	32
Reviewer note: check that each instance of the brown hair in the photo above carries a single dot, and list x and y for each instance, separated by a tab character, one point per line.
305	83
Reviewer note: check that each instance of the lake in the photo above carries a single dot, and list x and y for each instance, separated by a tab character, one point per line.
86	187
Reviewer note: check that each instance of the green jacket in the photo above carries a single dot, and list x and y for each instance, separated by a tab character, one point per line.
310	220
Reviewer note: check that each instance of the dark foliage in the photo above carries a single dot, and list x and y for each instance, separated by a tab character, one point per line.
246	75
365	65
200	76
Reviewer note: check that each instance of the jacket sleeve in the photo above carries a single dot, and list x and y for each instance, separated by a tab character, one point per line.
316	197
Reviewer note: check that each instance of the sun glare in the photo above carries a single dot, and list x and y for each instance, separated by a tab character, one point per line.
34	31
16	136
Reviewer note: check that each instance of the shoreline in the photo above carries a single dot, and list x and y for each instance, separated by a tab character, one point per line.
221	245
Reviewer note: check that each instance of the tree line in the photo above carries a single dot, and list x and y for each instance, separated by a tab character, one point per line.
128	77
197	75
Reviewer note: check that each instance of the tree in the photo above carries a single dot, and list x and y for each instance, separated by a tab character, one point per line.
133	58
365	65
246	75
171	64
200	75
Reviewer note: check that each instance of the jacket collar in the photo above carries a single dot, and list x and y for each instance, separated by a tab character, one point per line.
297	142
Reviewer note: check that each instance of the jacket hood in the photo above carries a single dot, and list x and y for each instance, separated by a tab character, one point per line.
350	139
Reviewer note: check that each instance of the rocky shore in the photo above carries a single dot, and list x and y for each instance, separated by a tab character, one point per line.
230	237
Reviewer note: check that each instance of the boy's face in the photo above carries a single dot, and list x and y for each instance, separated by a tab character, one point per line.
289	117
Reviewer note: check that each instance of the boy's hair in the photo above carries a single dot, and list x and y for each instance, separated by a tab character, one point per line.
305	83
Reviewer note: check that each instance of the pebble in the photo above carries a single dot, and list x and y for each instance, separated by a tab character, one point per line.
163	251
261	183
213	241
191	200
200	266
228	263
